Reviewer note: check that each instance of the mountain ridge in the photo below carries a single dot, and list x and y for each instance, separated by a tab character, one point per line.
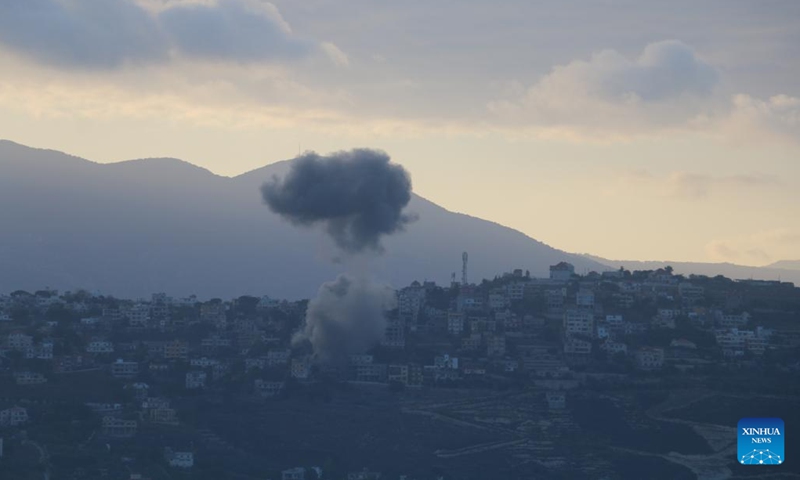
141	226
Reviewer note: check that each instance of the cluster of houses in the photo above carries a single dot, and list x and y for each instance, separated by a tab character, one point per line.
516	326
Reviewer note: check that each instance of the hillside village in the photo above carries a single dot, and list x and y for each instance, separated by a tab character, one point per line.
98	387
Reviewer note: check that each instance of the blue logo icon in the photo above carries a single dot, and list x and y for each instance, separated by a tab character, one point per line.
761	441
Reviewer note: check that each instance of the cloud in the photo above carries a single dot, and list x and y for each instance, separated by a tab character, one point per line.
776	118
106	34
232	30
611	92
759	248
336	55
87	33
692	186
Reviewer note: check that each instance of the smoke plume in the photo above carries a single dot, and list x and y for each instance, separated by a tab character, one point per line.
346	317
357	195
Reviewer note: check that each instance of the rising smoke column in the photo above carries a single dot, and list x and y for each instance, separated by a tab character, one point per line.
359	197
346	317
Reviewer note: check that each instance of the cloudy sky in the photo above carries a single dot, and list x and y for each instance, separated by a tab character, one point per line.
626	129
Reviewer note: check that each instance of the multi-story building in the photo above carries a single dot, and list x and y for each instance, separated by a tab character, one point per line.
455	323
578	321
100	346
649	358
496	345
124	369
584	298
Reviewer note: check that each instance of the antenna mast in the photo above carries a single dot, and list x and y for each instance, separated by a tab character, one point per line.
464	258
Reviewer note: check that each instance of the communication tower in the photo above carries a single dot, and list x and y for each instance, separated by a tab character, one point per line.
464	258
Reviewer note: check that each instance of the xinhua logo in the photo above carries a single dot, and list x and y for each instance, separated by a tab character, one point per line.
761	441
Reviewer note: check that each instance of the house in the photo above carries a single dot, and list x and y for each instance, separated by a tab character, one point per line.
397	373
42	351
268	389
395	334
611	347
29	378
515	291
562	272
364	475
14	416
177	459
195	379
100	346
19	341
577	347
203	362
117	427
278	357
297	473
362	369
455	323
255	364
649	358
556	399
301	368
176	350
498	301
496	345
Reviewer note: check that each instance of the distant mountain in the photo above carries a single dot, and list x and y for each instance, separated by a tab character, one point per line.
729	270
786	264
142	226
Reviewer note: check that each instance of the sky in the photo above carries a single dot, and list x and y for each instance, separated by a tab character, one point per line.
632	130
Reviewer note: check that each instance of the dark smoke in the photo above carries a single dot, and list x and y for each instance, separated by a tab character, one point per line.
346	317
358	195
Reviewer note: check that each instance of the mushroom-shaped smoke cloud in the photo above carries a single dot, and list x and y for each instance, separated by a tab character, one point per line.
358	195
